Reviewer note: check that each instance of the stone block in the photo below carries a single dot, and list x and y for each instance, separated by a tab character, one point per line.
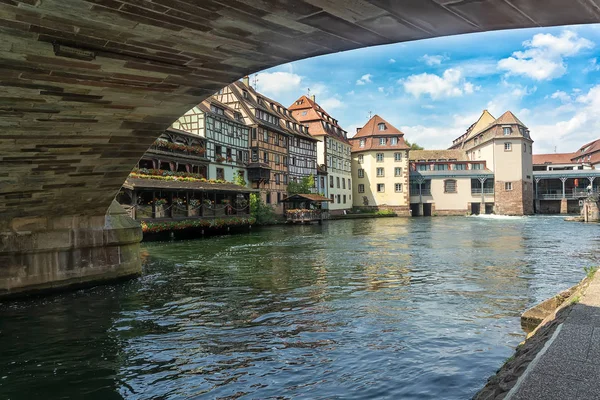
29	224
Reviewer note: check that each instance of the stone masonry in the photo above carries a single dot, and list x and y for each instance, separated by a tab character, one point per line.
87	85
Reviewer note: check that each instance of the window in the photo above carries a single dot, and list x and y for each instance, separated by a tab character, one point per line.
394	141
278	197
397	157
361	188
476	166
218	151
508	186
507	131
398	187
475	140
450	186
361	159
254	133
344	197
339	198
217	110
460	167
245	95
266	157
285	179
525	148
304	113
361	143
380	187
349	184
422	167
440	167
338	182
508	146
379	157
268	199
331	181
221	174
397	171
380	172
265	136
277	179
276	159
332	199
343	183
381	126
382	141
361	173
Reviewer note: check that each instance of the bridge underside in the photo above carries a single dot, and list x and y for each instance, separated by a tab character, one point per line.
87	85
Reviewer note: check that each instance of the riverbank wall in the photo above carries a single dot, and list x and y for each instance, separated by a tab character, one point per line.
541	322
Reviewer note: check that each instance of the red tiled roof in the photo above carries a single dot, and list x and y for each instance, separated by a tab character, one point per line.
371	134
588	153
554	158
318	121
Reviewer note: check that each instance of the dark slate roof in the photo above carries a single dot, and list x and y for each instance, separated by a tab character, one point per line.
308	196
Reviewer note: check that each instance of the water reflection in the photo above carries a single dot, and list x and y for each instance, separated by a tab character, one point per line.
391	308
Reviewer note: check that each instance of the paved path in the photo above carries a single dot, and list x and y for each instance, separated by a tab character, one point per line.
568	367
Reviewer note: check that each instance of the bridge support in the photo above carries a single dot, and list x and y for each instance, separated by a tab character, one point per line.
46	253
564	206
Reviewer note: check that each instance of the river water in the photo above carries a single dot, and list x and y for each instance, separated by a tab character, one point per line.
423	308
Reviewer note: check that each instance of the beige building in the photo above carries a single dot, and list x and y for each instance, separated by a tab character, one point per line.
487	169
333	153
380	167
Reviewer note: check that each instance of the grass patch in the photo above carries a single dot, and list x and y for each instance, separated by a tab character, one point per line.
576	299
385	212
590	271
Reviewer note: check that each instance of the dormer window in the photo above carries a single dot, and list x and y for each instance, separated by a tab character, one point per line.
507	130
217	110
299	102
361	143
245	94
381	126
394	141
382	141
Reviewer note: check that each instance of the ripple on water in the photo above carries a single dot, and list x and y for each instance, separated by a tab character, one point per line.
394	308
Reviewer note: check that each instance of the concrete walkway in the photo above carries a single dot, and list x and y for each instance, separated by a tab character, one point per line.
568	367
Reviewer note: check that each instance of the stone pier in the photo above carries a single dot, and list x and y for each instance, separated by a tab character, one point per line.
564	209
591	210
45	253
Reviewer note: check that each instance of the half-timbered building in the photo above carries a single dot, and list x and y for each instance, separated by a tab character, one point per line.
280	147
227	138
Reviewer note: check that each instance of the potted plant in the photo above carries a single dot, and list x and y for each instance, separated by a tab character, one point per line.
219	158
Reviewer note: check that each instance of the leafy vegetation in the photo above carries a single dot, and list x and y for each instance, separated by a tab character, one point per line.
164	175
154	227
385	212
303	187
238	179
590	271
414	146
261	212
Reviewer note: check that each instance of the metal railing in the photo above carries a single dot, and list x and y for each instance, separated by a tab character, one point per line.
303	215
424	192
485	190
570	195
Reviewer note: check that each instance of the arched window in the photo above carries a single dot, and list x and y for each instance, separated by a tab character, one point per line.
381	126
450	186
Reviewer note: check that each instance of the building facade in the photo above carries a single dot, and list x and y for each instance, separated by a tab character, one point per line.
506	147
227	138
445	182
380	167
277	141
333	153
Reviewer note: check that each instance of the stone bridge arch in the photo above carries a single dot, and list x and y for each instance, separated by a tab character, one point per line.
87	85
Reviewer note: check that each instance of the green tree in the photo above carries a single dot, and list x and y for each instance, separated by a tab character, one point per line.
305	186
238	179
414	146
263	213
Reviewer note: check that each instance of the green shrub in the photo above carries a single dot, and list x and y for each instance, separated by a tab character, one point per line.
261	212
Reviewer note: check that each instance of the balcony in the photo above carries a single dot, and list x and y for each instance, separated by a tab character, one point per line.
569	195
424	192
477	191
259	172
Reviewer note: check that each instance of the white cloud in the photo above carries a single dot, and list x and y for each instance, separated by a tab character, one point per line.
562	96
592	66
381	89
545	54
392	61
433	60
439	137
276	83
450	84
331	103
366	78
580	125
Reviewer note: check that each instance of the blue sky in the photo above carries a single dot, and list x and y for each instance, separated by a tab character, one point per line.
434	89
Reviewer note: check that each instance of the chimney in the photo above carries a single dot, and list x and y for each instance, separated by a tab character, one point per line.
313	97
246	81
